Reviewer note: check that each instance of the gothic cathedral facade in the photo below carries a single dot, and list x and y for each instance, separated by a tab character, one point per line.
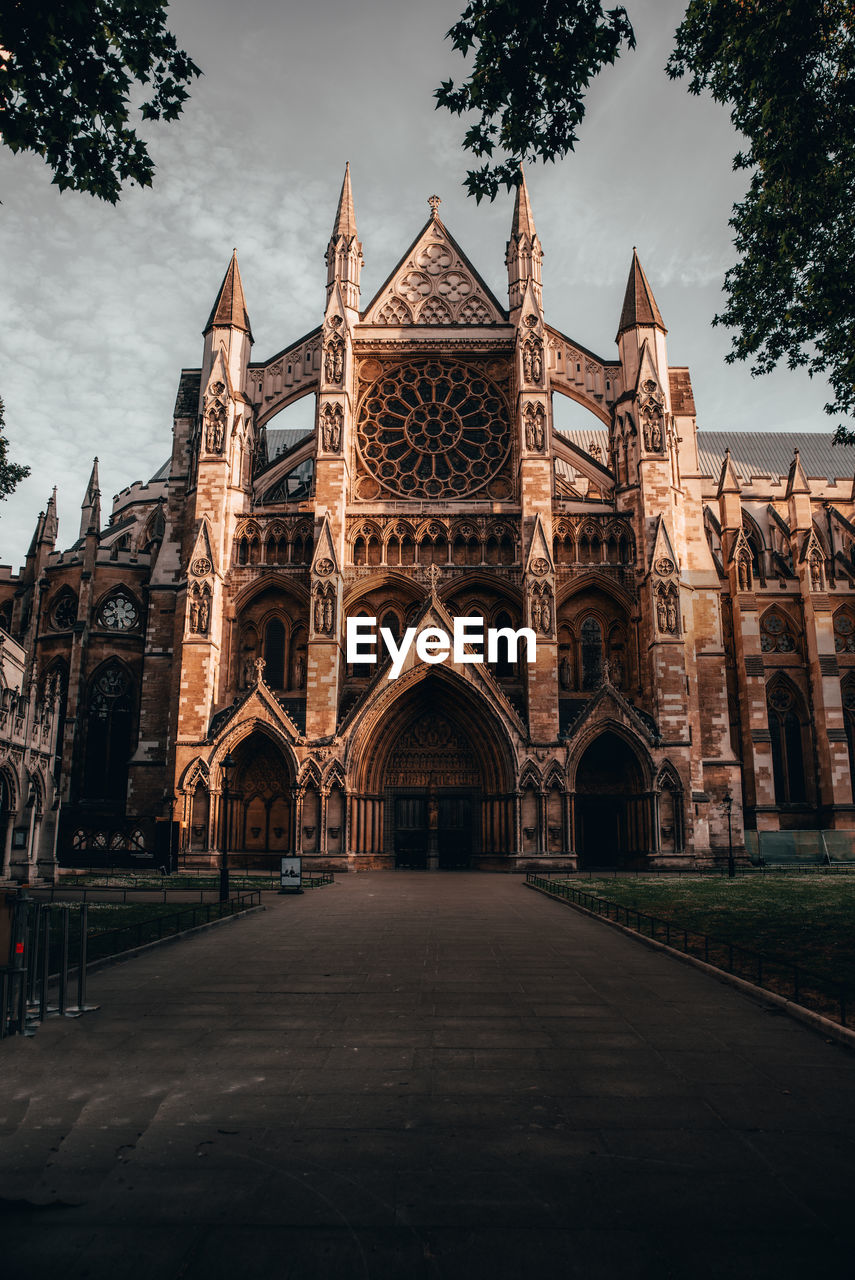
691	595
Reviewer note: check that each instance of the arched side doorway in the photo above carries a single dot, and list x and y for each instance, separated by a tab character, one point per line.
261	804
431	787
614	811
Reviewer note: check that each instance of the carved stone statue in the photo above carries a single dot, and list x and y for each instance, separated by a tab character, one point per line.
300	672
671	613
536	614
815	573
319	614
743	574
565	673
546	618
203	615
661	614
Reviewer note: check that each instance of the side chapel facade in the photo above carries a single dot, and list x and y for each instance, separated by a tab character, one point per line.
693	602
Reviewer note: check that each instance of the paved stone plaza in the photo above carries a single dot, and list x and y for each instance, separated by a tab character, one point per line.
414	1075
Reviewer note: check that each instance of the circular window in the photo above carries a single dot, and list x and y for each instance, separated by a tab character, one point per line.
119	613
433	430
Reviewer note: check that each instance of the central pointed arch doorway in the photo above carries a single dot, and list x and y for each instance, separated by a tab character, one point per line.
432	785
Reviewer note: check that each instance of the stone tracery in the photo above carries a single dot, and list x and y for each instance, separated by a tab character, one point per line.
432	430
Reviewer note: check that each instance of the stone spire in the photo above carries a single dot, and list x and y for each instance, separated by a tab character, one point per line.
51	527
90	507
344	252
639	305
728	481
524	254
229	311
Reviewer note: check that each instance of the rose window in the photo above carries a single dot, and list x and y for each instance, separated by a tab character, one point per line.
433	430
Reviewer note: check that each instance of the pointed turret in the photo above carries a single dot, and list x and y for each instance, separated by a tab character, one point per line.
639	305
90	507
728	481
798	496
641	324
229	310
524	254
51	527
344	252
228	330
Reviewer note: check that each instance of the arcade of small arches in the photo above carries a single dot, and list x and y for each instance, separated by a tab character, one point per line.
436	541
274	543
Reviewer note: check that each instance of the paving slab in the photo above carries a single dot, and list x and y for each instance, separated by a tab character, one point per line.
425	1077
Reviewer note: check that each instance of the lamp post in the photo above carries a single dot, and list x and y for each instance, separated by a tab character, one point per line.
227	765
727	804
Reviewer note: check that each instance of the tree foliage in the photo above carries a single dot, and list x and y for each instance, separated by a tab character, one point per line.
71	71
787	73
532	65
11	473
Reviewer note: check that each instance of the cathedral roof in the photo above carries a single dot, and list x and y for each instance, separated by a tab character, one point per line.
639	304
229	310
770	453
752	453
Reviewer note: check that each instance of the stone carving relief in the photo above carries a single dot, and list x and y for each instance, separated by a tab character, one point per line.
334	351
331	427
540	609
817	571
394	312
667	612
438	285
652	417
200	609
215	417
535	429
532	357
324	611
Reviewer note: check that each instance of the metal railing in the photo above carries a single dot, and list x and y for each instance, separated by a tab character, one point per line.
773	973
51	942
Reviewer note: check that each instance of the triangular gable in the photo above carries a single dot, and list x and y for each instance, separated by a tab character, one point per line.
258	703
325	560
434	284
202	557
663	559
608	703
647	372
539	550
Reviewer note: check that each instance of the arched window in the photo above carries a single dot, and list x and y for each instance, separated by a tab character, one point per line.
504	668
788	754
848	691
776	634
591	638
274	654
390	622
363	670
108	734
844	631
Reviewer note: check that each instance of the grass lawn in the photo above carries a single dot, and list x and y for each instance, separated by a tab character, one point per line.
807	920
147	921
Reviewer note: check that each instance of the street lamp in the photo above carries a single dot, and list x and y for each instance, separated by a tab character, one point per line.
727	804
227	765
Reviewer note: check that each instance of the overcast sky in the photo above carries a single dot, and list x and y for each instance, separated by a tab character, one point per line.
104	305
